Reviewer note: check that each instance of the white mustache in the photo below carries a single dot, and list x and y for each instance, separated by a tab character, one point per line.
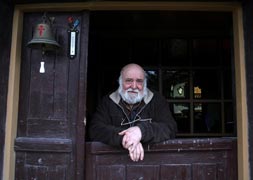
133	90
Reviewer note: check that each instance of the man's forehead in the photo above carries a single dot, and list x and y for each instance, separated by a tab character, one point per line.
133	71
133	74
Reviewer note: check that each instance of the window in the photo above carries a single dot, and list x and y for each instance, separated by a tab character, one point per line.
196	79
187	57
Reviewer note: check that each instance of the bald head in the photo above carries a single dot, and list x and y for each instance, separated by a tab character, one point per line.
133	68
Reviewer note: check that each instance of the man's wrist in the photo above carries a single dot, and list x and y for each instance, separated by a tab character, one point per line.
141	128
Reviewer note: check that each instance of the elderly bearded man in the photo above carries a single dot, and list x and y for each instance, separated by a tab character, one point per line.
132	115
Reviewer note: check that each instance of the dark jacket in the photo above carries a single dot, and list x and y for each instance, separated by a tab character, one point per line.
154	119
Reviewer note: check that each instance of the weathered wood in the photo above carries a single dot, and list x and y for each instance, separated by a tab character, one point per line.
82	93
49	143
191	159
43	144
248	39
6	14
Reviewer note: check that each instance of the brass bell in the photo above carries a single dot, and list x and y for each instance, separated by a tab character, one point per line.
43	36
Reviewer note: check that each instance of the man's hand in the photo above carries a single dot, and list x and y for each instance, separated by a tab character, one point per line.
131	138
137	154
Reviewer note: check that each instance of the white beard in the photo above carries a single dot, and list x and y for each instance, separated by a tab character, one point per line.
132	98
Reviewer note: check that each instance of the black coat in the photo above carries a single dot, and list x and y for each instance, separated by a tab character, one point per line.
154	119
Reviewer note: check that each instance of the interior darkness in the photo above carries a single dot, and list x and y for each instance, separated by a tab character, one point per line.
120	37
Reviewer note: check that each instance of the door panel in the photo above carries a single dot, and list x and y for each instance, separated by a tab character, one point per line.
50	136
177	159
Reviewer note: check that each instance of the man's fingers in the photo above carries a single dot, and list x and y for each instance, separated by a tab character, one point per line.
133	146
131	156
137	153
141	152
122	132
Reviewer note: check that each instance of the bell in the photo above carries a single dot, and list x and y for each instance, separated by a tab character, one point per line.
43	37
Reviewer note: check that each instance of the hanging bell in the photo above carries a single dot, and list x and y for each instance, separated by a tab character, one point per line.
43	36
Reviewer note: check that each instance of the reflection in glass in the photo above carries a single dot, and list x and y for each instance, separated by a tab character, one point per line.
209	82
229	118
226	52
205	52
227	84
145	51
175	52
207	118
176	84
152	77
197	92
181	113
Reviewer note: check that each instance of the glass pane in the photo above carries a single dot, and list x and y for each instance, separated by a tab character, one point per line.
181	113
145	52
227	75
207	118
175	52
175	84
115	52
205	52
229	118
153	80
226	52
207	84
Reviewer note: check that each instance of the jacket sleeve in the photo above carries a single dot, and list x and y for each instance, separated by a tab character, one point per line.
163	126
101	128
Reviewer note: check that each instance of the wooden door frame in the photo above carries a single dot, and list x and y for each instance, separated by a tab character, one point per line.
239	60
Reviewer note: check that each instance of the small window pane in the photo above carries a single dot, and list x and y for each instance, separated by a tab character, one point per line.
207	84
227	84
205	52
145	52
207	118
229	118
226	53
176	84
153	80
175	52
181	113
115	52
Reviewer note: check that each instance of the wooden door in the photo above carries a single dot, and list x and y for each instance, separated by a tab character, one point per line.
51	127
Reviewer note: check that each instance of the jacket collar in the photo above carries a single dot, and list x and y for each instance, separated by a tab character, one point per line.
115	96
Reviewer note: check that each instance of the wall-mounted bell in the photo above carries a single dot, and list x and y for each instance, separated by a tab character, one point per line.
43	36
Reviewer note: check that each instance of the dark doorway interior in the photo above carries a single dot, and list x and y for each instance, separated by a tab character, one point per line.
177	49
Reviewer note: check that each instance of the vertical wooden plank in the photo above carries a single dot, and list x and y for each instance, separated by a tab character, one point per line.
248	41
62	70
60	88
58	172
20	165
36	172
142	172
81	118
207	171
25	77
221	172
241	92
41	86
176	171
13	96
6	15
111	172
73	92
